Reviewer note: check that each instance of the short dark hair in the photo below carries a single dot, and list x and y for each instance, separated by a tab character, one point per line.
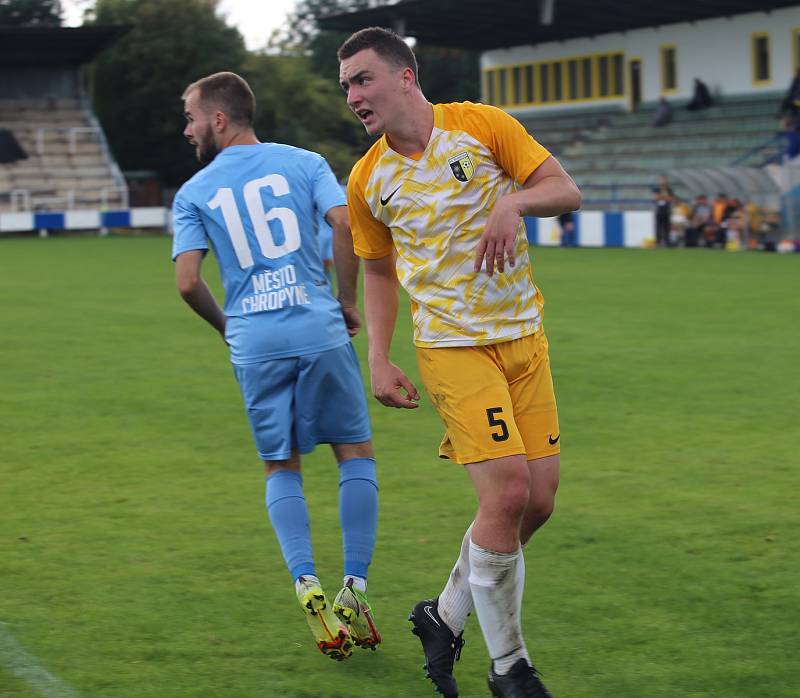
229	93
386	43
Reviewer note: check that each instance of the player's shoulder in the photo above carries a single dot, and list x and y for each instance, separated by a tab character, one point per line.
188	190
464	114
293	153
367	162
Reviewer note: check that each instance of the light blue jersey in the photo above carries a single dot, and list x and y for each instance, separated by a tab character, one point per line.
254	205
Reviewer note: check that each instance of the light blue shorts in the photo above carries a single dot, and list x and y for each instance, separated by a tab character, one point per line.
302	401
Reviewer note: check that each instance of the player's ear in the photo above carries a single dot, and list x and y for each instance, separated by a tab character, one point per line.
409	80
220	121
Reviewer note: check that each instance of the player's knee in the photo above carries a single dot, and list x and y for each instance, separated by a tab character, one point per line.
345	452
540	509
512	496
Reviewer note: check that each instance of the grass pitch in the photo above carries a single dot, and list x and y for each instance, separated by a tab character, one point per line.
136	559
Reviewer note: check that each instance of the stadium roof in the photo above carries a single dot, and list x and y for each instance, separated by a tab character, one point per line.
55	46
489	24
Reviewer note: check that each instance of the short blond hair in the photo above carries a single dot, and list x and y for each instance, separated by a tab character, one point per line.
227	92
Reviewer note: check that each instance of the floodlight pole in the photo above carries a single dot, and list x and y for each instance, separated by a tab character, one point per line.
546	11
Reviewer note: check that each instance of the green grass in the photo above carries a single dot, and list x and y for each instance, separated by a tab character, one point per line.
136	559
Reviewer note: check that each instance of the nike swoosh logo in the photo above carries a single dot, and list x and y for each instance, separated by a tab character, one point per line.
386	200
427	610
553	441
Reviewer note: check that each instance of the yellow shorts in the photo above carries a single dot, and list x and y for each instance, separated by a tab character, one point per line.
495	400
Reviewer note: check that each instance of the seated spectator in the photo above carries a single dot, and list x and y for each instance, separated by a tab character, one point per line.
700	220
718	207
732	208
679	222
738	230
663	113
701	99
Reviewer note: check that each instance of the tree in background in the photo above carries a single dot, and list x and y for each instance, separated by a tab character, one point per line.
446	74
139	80
299	107
30	12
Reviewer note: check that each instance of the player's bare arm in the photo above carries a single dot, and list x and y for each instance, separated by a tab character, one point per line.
549	191
390	386
346	264
195	291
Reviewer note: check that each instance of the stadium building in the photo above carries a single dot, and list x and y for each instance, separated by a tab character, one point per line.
586	78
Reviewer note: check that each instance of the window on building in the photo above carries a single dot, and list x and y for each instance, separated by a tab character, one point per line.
491	93
530	83
563	80
603	76
761	58
572	79
502	86
586	74
516	85
669	69
618	73
558	81
544	82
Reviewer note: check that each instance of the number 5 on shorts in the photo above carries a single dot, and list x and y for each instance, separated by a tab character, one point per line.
497	422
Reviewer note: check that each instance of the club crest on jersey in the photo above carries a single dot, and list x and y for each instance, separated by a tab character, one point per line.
462	167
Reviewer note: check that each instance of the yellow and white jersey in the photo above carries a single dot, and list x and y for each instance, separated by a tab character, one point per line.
432	209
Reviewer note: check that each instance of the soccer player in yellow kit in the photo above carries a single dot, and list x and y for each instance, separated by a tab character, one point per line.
437	203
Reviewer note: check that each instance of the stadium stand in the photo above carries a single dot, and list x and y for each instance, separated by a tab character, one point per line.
56	170
68	165
615	156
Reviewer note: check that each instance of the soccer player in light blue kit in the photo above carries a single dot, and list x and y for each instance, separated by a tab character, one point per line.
254	204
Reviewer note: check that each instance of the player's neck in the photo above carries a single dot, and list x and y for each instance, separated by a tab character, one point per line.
246	137
412	136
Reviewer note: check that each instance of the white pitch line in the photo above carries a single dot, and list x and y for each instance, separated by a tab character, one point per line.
26	667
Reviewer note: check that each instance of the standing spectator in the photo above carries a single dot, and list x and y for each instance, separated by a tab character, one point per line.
790	138
663	113
699	220
567	223
701	99
662	197
790	106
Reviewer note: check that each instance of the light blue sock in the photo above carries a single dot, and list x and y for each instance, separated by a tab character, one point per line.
358	513
288	513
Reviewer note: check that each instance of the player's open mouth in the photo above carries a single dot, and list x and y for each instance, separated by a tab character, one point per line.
364	114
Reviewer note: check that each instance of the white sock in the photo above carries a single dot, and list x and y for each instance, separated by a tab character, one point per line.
494	579
520	579
308	578
455	601
358	582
